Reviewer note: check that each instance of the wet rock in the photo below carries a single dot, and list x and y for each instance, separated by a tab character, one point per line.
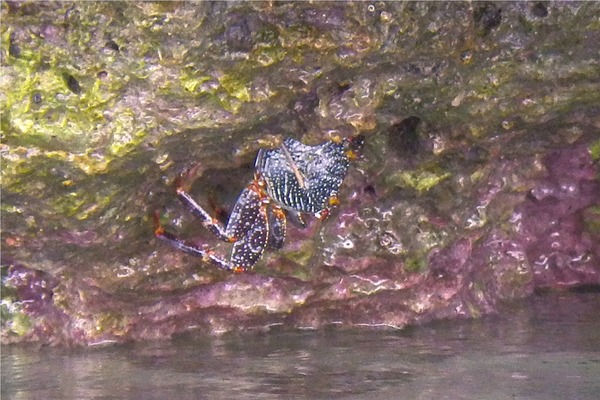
13	48
562	252
404	138
540	9
487	16
112	45
72	83
478	181
245	31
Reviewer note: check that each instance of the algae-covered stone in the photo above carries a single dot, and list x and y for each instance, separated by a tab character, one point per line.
478	181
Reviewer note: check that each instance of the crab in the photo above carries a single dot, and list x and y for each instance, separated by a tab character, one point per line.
293	179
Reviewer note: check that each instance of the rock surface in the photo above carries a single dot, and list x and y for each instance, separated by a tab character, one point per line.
478	182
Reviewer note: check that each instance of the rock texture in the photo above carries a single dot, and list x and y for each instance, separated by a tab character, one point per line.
478	182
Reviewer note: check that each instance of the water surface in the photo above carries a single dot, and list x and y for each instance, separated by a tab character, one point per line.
547	347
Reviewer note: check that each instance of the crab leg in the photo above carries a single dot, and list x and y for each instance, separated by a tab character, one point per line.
210	223
277	227
207	255
247	228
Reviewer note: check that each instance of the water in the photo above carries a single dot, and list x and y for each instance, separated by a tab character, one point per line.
545	348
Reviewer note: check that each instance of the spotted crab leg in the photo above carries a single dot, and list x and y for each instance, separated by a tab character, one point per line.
277	228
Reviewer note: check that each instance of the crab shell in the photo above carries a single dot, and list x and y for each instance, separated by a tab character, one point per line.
303	178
